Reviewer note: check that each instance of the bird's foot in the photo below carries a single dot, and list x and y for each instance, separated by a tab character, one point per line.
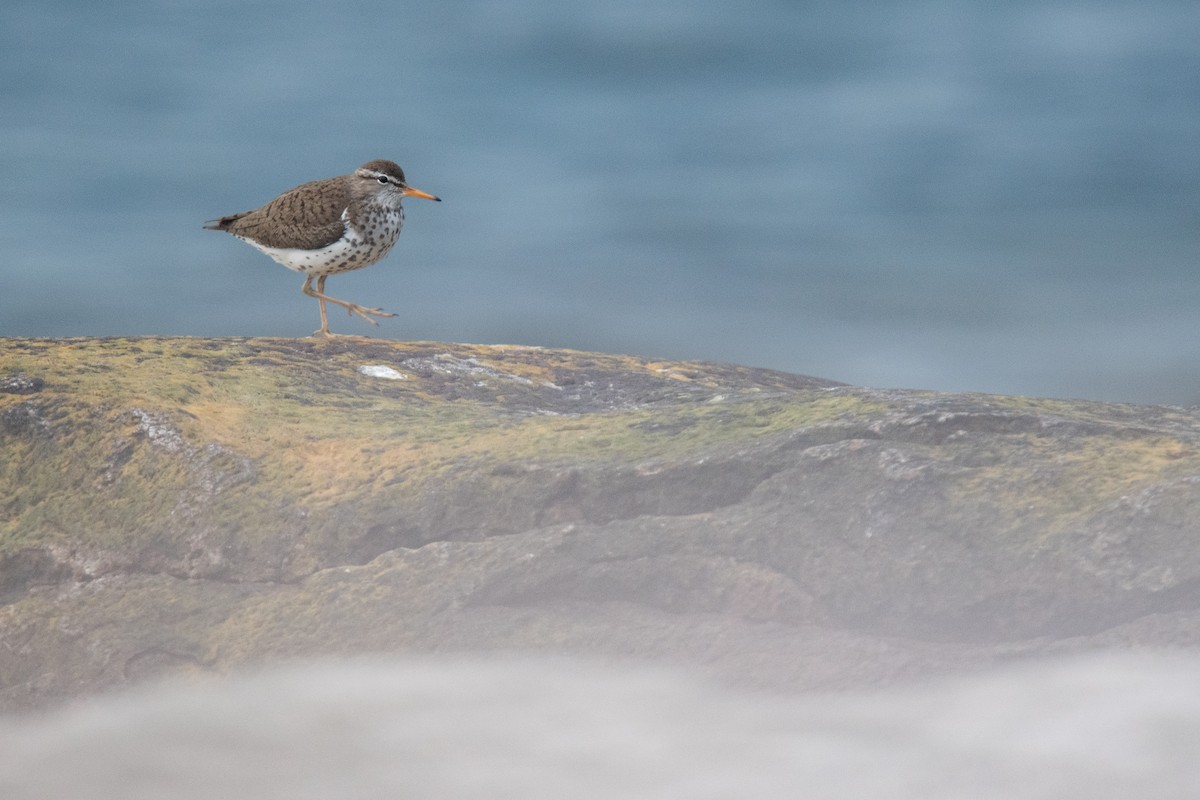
367	313
328	334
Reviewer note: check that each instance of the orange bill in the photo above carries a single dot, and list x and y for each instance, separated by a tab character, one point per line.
411	192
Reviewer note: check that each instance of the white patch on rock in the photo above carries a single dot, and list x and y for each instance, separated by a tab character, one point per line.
381	371
159	430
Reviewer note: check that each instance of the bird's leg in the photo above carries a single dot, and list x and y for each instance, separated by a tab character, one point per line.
308	290
351	308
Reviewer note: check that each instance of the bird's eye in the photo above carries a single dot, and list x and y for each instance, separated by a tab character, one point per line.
383	179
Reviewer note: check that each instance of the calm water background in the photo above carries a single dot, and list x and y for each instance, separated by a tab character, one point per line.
952	195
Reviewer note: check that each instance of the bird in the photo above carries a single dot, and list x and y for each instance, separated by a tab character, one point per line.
329	226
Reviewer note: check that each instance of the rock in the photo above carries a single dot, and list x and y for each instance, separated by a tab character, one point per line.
194	505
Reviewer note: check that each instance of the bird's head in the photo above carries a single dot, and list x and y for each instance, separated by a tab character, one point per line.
386	179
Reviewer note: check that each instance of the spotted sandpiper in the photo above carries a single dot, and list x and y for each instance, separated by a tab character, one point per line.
326	227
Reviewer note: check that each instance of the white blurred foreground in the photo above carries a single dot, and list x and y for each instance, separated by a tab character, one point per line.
1114	726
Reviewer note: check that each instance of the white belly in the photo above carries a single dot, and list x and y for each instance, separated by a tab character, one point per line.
356	249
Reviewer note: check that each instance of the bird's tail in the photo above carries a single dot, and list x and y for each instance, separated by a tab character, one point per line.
223	223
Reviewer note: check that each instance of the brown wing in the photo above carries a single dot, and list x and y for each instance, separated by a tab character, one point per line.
308	217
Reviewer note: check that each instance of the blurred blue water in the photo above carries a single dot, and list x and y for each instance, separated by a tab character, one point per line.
952	195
